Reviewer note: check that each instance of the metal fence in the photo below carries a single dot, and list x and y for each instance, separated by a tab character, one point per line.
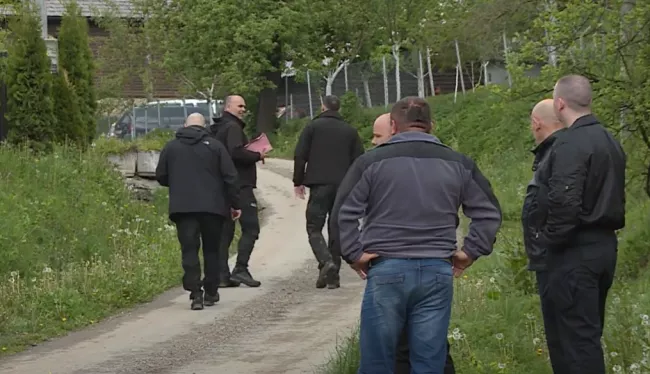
378	83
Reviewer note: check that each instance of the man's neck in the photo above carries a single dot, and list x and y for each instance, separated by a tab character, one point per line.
572	118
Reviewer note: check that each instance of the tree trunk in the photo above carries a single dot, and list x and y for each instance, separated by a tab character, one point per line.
433	88
366	91
420	75
267	101
398	82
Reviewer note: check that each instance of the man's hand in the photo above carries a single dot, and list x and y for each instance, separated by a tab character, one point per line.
362	264
235	214
262	156
300	192
460	261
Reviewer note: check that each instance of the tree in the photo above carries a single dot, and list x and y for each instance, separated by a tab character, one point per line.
76	62
29	80
70	121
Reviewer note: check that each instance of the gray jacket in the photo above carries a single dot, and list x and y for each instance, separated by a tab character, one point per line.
408	192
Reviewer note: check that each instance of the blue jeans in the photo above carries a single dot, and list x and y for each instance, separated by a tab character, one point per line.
416	293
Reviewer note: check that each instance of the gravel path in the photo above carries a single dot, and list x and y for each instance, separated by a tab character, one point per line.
285	326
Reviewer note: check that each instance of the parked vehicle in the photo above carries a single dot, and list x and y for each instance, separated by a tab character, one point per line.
167	114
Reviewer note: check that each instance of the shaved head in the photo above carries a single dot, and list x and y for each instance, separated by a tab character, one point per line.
381	129
235	105
195	119
572	98
543	121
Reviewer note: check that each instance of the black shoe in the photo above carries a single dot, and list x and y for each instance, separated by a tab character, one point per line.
242	275
210	300
197	300
332	278
228	283
323	274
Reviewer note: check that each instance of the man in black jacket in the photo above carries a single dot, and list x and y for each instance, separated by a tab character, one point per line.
327	146
546	128
203	194
229	130
586	206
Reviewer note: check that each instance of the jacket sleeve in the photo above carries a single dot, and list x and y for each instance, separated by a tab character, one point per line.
162	175
349	207
237	150
229	176
568	166
301	155
481	206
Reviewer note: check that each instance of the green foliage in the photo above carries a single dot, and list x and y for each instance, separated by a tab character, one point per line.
66	106
76	61
29	81
154	140
77	247
113	146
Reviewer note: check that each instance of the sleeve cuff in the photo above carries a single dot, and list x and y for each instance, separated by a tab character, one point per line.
353	257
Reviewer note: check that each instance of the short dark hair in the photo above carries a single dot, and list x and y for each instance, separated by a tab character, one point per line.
331	102
575	90
411	112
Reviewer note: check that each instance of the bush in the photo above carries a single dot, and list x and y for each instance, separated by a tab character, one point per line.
77	247
29	81
496	324
75	59
69	117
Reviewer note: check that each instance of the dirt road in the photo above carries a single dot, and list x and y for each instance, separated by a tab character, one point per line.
285	326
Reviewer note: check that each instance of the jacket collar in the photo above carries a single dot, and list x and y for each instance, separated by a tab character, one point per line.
231	117
546	143
586	120
413	136
330	114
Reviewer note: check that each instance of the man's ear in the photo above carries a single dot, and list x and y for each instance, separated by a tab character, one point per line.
393	127
433	126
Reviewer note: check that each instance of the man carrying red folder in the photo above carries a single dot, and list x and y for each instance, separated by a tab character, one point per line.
229	130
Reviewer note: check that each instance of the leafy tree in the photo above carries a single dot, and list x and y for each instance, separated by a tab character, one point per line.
76	62
29	80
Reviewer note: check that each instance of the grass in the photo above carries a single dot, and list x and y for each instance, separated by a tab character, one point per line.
496	325
75	246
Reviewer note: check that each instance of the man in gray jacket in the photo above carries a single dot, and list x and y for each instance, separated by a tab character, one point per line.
408	191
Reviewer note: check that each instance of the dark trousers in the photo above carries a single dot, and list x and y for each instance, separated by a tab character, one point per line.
403	364
319	209
573	295
195	230
250	231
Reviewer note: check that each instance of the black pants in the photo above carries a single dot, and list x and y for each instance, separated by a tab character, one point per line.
194	229
402	363
319	209
573	294
250	231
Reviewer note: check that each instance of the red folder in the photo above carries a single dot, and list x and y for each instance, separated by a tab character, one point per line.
260	144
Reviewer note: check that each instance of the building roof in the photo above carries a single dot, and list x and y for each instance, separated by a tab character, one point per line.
89	8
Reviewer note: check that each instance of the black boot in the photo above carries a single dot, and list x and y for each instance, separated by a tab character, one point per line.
242	275
197	300
324	274
333	279
210	300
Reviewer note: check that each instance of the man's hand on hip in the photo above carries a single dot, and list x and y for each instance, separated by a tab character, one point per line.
362	264
235	214
300	192
461	261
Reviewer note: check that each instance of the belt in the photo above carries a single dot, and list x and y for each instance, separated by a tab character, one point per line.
377	260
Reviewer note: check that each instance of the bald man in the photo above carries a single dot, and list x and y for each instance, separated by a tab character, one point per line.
229	130
584	206
382	129
203	194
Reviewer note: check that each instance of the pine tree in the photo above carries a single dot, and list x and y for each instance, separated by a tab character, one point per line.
68	112
75	60
29	80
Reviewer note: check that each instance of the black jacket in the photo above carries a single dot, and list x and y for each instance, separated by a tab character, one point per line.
328	146
229	130
586	186
533	214
199	173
